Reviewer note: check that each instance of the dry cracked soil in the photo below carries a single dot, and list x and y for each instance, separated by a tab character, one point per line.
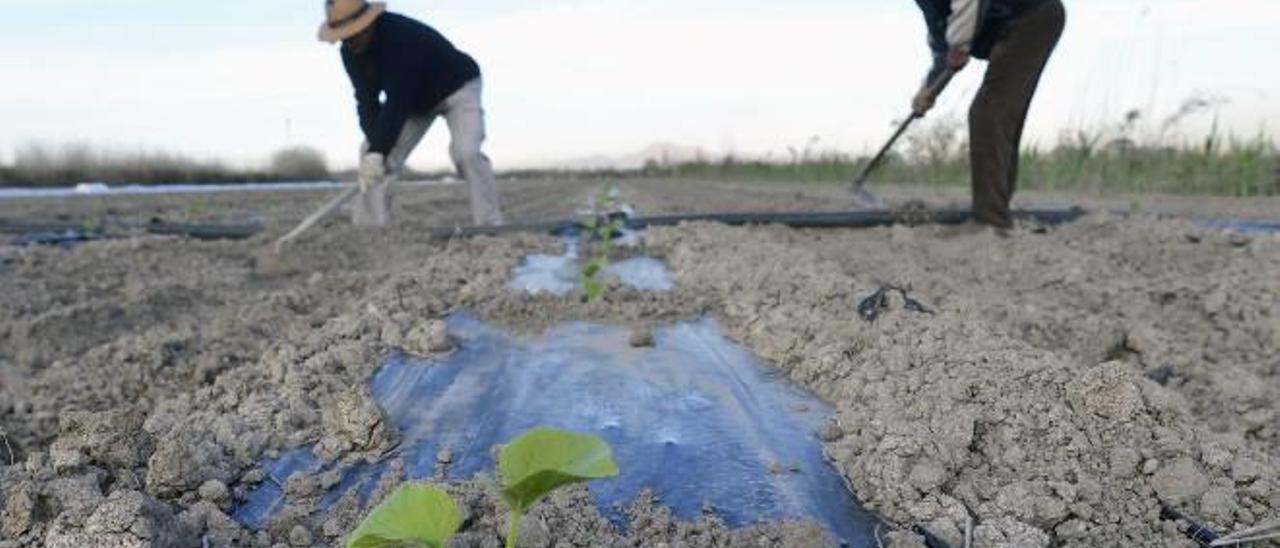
1063	384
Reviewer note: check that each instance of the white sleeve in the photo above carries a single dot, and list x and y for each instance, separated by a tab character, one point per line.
962	26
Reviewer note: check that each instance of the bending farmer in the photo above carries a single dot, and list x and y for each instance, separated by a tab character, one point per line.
405	75
1016	37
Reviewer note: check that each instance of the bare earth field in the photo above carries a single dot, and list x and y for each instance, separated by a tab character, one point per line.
1070	381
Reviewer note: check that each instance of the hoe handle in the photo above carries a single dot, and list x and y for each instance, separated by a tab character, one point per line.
935	90
321	213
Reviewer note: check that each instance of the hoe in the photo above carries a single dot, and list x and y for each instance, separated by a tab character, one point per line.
859	188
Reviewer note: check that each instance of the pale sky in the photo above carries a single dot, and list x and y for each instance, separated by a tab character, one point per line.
238	79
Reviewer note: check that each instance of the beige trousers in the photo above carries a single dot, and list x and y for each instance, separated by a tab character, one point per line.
464	113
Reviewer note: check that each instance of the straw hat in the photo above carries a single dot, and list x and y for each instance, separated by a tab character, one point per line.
346	18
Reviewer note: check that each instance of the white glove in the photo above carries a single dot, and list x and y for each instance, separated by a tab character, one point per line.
373	170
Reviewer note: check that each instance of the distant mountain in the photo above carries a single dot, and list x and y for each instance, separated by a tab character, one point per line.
660	153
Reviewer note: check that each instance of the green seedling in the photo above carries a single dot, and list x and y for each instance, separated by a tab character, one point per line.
610	231
416	515
592	285
601	232
543	460
532	465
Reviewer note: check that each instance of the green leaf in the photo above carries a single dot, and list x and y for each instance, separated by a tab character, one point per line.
594	267
544	459
416	515
593	288
592	285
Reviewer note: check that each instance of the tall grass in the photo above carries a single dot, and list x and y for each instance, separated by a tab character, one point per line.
1127	157
1133	155
1231	167
40	165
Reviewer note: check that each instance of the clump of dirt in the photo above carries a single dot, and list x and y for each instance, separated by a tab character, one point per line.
952	420
355	426
127	519
112	440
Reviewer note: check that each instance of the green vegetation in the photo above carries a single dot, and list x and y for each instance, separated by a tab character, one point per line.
601	230
38	165
934	154
532	467
415	515
299	163
1236	168
543	460
1121	158
1137	154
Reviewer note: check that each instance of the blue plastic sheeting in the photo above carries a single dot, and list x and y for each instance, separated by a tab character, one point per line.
269	496
561	274
1243	226
696	419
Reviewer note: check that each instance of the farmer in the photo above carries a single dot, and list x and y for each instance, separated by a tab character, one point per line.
1016	37
405	75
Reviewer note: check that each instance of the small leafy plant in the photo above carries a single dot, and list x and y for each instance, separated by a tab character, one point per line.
543	460
593	285
601	230
532	466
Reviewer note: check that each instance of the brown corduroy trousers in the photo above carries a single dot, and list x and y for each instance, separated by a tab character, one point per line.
999	111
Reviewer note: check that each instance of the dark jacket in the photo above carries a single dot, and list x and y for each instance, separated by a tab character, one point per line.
414	66
993	19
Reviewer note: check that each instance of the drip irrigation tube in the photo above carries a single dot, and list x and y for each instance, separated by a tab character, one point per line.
1197	532
31	227
200	231
67	231
845	219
